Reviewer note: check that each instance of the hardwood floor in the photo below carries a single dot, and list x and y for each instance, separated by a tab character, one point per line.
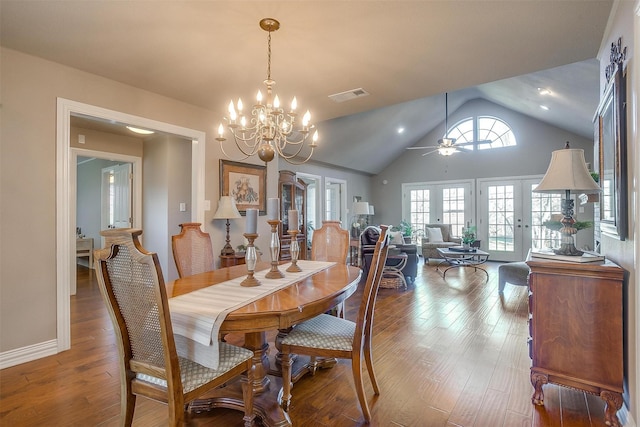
447	353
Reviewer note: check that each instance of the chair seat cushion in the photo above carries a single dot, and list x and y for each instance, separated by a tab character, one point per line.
194	375
323	331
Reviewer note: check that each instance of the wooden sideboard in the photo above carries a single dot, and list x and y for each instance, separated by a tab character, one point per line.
230	260
576	329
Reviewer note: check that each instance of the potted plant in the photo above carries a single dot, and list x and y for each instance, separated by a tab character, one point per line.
468	235
406	229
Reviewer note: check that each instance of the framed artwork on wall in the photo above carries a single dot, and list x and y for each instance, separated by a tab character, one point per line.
612	143
246	184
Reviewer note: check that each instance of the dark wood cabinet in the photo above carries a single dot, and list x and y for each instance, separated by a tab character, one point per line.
576	329
293	195
231	260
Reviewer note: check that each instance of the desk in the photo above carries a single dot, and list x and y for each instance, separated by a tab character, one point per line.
455	259
278	311
84	247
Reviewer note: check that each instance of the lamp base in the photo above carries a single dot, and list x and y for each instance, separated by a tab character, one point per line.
568	249
227	250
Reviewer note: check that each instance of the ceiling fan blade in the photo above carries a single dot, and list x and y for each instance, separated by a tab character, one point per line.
430	152
420	148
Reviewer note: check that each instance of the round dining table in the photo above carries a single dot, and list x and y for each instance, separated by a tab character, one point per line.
277	311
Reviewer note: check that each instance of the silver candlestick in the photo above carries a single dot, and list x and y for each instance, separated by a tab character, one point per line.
295	252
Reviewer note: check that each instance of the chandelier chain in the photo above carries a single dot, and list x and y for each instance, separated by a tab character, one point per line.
269	58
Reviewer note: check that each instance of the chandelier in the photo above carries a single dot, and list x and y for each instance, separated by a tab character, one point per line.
269	129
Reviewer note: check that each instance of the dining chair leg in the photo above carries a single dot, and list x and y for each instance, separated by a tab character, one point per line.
369	362
176	411
127	403
356	367
286	381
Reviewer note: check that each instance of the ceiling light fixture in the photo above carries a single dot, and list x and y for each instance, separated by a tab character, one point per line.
400	130
269	129
543	92
544	107
140	131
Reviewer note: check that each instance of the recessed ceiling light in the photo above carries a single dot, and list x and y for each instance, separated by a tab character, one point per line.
140	131
400	130
544	107
543	91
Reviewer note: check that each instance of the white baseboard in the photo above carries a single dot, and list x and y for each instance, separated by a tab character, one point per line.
27	354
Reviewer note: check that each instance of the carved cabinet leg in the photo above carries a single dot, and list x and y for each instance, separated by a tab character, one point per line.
613	404
537	381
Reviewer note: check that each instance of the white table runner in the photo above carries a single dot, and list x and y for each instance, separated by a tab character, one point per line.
196	317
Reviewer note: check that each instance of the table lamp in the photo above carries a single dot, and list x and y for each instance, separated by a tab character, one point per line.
227	210
359	208
567	173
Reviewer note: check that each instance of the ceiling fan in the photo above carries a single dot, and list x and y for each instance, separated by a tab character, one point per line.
447	146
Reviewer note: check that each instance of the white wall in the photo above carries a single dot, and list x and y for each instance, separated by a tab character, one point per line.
166	182
624	253
536	140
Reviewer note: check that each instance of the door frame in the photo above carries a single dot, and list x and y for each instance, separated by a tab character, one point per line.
66	203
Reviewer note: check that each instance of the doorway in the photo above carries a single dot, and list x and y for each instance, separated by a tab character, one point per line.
66	191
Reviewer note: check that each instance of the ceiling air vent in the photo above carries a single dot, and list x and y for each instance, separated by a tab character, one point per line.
348	95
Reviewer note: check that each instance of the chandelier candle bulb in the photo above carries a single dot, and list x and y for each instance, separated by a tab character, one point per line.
273	208
252	221
293	220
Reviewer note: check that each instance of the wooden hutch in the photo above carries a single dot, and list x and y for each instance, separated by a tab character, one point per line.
293	195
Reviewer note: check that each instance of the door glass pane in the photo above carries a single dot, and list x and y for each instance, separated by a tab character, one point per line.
332	202
501	218
453	209
419	210
542	206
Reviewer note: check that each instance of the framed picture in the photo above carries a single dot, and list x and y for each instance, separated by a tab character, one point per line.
612	142
246	184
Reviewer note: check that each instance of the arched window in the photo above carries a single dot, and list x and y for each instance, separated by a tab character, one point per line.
483	128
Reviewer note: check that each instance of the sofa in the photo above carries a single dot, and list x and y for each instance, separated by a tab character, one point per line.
368	239
431	241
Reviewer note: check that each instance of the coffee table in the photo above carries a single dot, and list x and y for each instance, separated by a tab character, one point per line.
454	259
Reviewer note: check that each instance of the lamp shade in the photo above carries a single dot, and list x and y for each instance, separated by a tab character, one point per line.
226	209
567	171
361	208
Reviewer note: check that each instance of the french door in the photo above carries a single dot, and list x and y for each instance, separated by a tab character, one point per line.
511	217
450	202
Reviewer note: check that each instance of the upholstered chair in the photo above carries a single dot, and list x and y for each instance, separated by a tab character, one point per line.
437	236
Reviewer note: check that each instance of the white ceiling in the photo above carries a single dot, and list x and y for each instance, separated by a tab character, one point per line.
406	54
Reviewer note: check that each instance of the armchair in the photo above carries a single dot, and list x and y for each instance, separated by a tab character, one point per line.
368	239
431	241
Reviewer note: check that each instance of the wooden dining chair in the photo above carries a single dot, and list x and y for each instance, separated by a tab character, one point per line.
330	243
329	336
192	251
132	285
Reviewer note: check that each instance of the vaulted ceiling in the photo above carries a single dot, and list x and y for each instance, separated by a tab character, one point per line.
405	54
